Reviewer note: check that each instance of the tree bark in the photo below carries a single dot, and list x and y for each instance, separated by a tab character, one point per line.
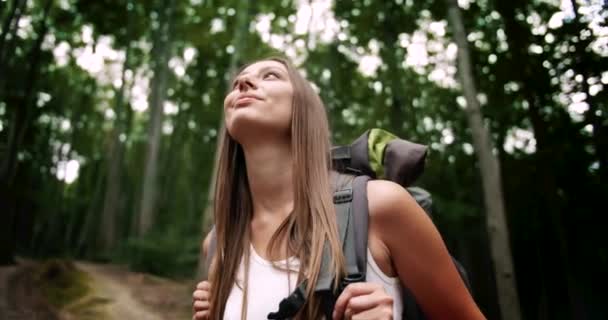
585	67
88	230
9	26
23	116
398	96
157	97
21	119
112	199
518	38
490	174
6	25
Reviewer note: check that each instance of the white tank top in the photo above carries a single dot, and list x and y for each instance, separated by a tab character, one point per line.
269	285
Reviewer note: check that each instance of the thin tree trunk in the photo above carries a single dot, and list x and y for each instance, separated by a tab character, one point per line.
600	143
23	115
241	32
8	47
10	26
21	119
398	96
397	91
490	174
169	161
87	232
7	231
113	191
6	25
551	210
577	306
157	97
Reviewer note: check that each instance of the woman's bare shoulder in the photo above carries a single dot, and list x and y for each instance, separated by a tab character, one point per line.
418	252
389	201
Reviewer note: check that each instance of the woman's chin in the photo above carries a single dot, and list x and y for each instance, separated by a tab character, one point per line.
241	122
244	129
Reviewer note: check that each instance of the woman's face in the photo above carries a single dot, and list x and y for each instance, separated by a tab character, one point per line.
260	101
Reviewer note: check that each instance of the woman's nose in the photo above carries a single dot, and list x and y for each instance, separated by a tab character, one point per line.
245	83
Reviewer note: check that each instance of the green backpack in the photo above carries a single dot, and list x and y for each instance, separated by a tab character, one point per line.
377	154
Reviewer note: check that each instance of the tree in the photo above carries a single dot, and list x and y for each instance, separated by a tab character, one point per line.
23	113
490	173
162	48
540	70
9	27
116	150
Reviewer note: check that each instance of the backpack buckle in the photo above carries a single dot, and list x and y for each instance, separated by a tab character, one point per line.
350	278
343	196
340	153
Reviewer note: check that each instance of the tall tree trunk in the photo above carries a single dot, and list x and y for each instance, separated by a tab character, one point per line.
241	31
9	26
398	98
22	116
7	231
6	25
518	37
162	46
490	174
177	140
112	199
88	231
584	66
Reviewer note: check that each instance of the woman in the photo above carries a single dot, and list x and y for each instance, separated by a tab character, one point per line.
274	212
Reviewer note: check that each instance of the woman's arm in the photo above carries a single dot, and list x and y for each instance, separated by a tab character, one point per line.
206	243
418	253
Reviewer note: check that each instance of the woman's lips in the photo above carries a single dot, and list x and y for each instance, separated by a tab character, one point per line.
243	101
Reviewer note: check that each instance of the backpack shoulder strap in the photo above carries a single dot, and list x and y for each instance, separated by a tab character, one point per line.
360	213
352	216
352	233
343	203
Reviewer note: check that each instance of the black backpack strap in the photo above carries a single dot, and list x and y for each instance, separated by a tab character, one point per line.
343	203
347	233
360	221
352	213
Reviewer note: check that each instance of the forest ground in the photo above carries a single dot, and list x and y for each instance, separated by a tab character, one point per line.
112	292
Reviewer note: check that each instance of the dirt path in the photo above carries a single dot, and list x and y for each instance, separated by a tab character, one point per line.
115	294
19	297
120	294
114	298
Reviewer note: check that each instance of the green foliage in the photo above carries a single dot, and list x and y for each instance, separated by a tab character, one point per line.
172	253
65	110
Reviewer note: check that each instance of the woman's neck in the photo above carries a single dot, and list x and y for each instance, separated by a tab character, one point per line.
270	175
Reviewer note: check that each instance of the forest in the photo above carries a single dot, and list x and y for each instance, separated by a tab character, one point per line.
110	112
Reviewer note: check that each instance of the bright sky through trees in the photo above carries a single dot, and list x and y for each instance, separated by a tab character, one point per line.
428	52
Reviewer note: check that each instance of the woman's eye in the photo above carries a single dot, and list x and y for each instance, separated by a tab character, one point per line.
270	75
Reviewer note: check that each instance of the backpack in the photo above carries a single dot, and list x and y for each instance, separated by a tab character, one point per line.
377	154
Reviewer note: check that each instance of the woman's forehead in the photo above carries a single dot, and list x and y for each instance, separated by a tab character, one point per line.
252	68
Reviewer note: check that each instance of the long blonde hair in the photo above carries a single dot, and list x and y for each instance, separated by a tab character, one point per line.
313	220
